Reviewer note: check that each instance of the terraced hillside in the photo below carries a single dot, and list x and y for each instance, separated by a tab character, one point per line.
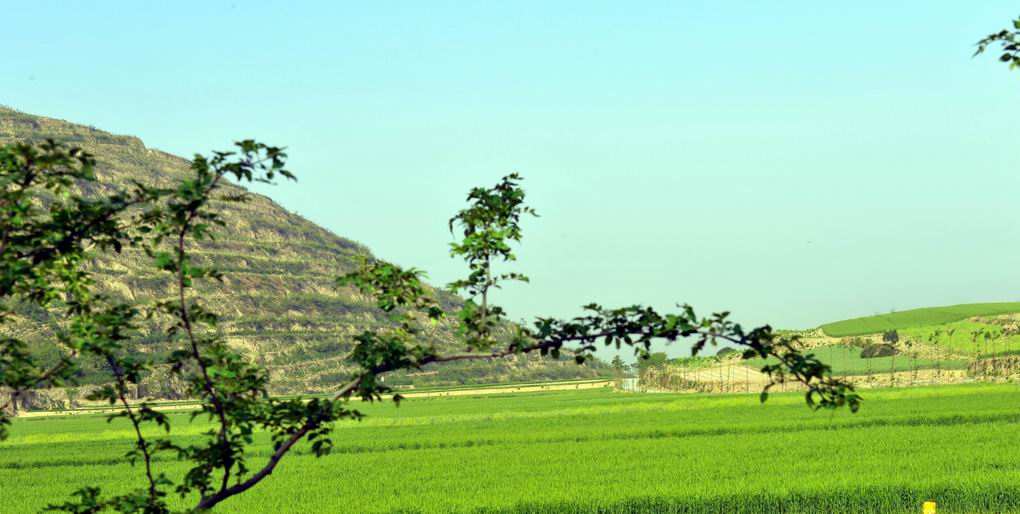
934	345
279	303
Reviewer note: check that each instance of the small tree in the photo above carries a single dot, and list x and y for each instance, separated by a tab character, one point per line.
891	337
726	351
933	340
618	365
975	335
652	360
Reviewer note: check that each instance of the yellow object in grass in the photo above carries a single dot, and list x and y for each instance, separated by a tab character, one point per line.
928	508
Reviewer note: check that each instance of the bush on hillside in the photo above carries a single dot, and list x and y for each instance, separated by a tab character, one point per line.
879	350
891	336
726	351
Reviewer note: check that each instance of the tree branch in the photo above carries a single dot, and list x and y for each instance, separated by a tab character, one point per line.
211	501
222	437
143	445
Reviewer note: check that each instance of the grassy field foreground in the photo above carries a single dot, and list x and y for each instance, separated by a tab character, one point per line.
595	450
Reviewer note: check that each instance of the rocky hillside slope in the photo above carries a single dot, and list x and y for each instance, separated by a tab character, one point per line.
279	303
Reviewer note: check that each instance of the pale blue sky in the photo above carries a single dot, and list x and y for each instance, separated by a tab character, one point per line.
793	162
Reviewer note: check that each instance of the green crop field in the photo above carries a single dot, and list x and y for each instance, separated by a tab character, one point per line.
594	450
847	360
916	318
967	338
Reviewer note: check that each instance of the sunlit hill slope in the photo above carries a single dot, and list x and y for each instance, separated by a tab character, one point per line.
279	303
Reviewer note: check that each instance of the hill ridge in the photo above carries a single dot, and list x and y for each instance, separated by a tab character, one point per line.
279	303
917	317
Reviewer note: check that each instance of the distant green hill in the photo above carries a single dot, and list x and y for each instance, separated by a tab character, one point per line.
916	318
279	304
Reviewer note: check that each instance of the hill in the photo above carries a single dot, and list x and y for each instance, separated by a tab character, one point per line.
916	318
935	345
981	338
279	304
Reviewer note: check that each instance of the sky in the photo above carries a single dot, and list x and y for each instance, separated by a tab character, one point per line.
791	162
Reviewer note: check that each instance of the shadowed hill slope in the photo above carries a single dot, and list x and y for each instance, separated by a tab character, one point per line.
279	304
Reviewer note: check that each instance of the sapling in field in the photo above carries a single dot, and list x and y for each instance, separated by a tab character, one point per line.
891	337
950	332
933	341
